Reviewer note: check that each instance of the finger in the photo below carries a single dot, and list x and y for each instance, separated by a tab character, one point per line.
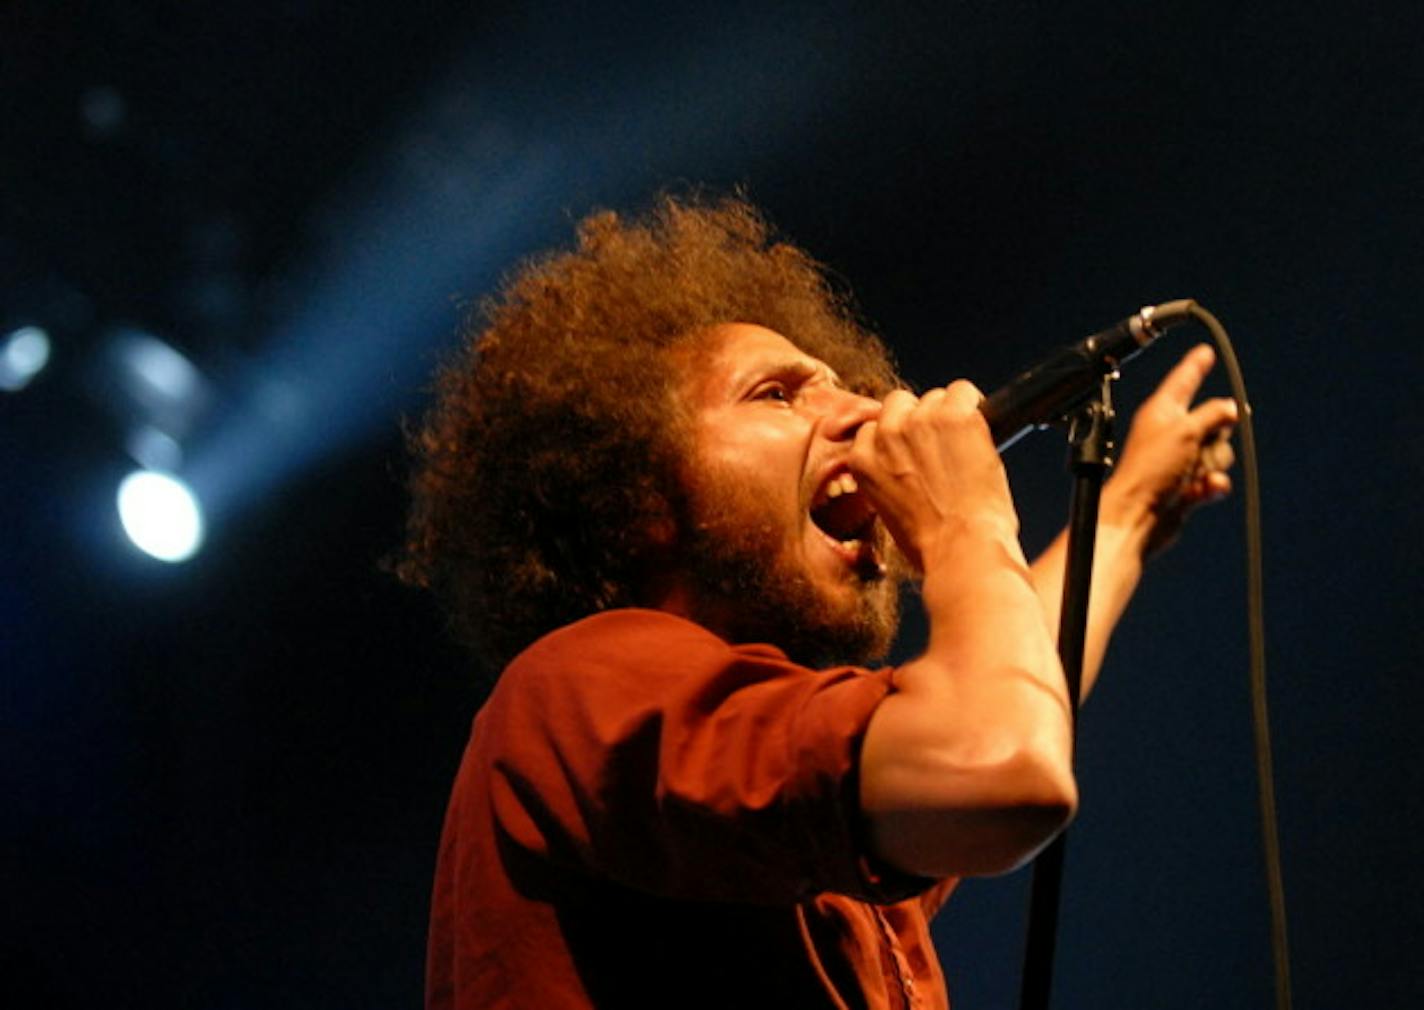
1183	381
1218	456
963	395
933	398
1203	489
1210	487
1213	415
896	406
879	448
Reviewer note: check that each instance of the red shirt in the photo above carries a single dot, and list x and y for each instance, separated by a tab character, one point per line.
648	816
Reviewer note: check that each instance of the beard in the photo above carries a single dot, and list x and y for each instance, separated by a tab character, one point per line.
748	586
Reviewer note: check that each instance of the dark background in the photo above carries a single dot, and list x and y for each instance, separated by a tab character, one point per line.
223	780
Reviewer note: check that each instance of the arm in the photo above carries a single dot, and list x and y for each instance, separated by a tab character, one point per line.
966	768
1174	460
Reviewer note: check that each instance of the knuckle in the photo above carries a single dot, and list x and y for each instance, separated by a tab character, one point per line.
890	425
963	394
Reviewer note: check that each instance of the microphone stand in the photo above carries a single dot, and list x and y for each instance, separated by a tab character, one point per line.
1090	444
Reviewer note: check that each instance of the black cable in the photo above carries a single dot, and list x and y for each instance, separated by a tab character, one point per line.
1256	624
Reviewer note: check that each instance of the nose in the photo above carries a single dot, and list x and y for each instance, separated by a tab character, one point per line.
843	412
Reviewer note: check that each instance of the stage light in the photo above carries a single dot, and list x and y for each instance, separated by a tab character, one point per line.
161	515
155	393
23	355
155	373
153	449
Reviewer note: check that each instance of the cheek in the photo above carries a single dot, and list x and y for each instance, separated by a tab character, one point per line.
744	503
752	460
764	451
764	481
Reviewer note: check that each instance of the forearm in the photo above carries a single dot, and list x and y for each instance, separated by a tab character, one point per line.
1174	459
1119	548
967	767
968	764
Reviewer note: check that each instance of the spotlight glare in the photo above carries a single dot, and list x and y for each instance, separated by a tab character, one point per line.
161	515
154	449
158	370
23	355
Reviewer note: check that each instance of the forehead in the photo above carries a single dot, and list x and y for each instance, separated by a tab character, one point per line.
720	360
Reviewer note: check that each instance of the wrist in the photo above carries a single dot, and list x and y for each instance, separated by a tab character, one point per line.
1124	543
982	582
961	543
1130	517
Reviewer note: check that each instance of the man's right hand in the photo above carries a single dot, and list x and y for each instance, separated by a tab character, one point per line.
930	468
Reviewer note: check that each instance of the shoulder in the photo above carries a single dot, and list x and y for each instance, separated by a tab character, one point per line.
633	641
635	655
613	654
614	632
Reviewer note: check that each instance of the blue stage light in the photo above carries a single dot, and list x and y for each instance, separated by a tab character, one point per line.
161	515
155	374
23	355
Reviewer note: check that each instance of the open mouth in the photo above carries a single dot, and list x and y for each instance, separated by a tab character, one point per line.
841	512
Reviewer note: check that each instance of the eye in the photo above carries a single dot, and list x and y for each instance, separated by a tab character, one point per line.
776	392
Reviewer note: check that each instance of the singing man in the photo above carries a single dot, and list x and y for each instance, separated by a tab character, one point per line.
669	490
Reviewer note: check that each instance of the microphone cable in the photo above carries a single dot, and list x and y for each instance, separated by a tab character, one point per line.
1051	391
1256	626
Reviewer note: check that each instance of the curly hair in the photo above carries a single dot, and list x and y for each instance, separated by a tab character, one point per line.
552	447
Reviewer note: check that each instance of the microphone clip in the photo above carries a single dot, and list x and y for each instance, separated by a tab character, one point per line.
1091	443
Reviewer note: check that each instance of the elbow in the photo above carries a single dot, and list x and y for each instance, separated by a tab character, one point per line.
1015	833
1037	806
980	822
1021	809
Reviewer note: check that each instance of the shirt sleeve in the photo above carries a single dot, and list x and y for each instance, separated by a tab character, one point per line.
638	746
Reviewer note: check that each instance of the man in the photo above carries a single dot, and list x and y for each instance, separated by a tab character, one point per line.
671	486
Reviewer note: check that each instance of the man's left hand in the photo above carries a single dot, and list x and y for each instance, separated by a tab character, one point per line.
1176	456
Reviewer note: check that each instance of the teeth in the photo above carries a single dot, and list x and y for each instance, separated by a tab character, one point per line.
851	545
844	484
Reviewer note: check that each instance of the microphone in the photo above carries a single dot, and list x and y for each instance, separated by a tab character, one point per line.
1055	387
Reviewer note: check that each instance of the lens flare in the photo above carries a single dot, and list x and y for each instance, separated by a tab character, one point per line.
161	515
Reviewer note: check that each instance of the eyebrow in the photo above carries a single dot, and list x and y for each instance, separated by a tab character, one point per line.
799	367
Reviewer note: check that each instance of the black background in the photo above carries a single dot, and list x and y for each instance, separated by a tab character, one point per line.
223	780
